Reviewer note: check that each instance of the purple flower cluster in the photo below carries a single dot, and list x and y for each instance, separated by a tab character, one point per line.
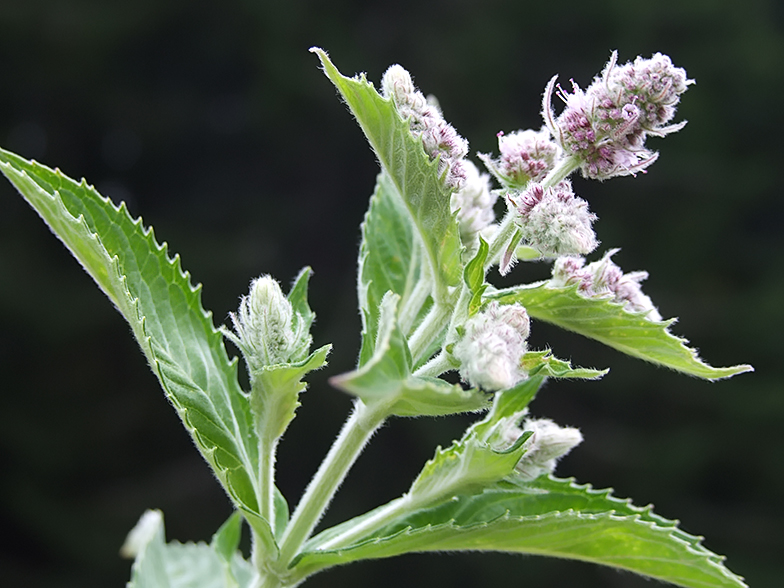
605	278
440	139
606	125
555	221
524	156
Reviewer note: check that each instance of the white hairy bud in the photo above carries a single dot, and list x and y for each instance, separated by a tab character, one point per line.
492	347
268	331
545	447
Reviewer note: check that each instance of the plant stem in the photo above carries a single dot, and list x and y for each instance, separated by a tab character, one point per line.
356	432
436	366
428	330
267	450
382	516
416	299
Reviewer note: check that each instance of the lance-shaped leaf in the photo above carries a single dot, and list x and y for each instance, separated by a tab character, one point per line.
474	277
414	176
174	565
389	259
387	378
608	322
545	517
164	311
275	394
544	363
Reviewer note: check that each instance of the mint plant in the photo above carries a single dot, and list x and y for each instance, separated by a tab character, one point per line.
430	243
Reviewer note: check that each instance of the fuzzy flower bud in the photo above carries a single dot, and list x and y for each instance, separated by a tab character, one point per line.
605	278
492	347
268	331
524	156
473	203
439	139
554	220
606	125
545	447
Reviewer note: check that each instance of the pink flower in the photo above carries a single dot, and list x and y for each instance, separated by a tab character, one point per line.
555	221
606	125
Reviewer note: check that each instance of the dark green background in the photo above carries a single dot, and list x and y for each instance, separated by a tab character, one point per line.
213	121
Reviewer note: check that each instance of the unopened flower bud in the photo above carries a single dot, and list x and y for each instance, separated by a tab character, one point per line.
545	447
492	347
268	331
554	220
473	203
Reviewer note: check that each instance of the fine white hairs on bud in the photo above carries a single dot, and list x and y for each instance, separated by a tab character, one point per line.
473	203
606	124
545	447
492	347
268	330
605	278
439	139
555	221
525	156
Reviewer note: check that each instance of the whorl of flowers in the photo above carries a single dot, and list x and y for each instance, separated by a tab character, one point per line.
473	203
555	221
606	124
524	156
492	347
605	278
440	140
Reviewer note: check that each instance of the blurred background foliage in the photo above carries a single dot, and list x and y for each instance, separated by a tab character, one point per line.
213	122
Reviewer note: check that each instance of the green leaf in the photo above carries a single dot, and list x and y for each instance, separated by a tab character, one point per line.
508	404
174	565
545	517
389	259
466	466
226	540
298	297
164	311
474	277
274	397
386	378
414	176
543	363
609	323
281	514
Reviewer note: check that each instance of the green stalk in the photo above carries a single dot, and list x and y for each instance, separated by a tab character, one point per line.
356	432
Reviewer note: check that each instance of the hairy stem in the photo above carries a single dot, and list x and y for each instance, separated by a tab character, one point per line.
428	330
356	432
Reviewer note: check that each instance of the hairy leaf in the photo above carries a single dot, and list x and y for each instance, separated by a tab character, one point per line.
164	311
389	260
544	363
414	176
609	323
386	378
545	517
174	565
